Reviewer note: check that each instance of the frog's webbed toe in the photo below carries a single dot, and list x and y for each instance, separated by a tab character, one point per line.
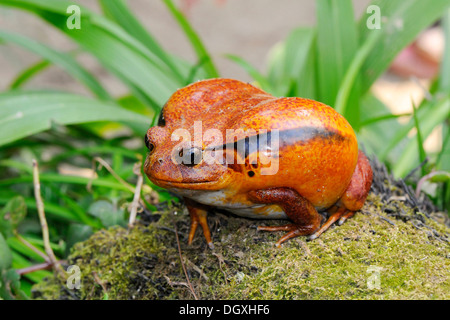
340	213
346	216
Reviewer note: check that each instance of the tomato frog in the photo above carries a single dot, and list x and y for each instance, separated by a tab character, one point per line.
226	144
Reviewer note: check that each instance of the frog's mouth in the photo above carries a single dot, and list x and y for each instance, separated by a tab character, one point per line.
194	185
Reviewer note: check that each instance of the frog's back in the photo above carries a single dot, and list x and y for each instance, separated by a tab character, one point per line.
317	152
317	147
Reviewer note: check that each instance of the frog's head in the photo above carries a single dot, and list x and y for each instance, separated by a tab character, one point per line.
177	158
173	162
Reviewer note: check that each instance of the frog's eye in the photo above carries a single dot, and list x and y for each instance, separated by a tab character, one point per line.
150	145
191	157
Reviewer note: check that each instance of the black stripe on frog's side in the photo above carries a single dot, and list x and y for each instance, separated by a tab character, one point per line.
305	134
248	145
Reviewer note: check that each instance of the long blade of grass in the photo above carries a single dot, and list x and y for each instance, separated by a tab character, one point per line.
20	262
60	59
422	153
436	114
291	66
252	71
194	39
377	125
28	73
342	104
444	76
424	113
26	113
383	117
120	53
401	22
337	42
53	210
120	12
301	60
57	178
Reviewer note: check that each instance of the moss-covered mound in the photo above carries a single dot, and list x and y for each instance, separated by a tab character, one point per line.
378	254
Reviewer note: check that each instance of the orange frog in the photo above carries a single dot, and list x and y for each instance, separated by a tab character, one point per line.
226	144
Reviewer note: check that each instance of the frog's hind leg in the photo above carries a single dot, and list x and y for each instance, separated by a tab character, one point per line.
353	198
305	217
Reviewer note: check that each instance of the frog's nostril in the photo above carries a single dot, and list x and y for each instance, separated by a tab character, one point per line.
160	160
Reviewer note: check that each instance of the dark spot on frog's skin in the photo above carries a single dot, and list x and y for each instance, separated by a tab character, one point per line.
251	173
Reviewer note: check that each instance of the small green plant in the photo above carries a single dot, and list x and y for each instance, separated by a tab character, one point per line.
335	62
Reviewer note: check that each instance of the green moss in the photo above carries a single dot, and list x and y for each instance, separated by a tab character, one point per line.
410	254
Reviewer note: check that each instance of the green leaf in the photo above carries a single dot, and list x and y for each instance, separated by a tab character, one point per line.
422	153
108	214
440	176
337	42
343	102
300	62
374	134
194	39
50	208
20	262
58	178
10	285
115	49
11	215
252	71
5	254
77	233
16	245
291	67
401	22
383	117
29	72
443	158
426	111
26	113
444	77
119	12
436	113
60	59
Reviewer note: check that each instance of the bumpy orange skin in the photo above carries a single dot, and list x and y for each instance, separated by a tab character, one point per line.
319	165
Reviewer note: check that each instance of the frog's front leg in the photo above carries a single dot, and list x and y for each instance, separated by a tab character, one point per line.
198	214
306	220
